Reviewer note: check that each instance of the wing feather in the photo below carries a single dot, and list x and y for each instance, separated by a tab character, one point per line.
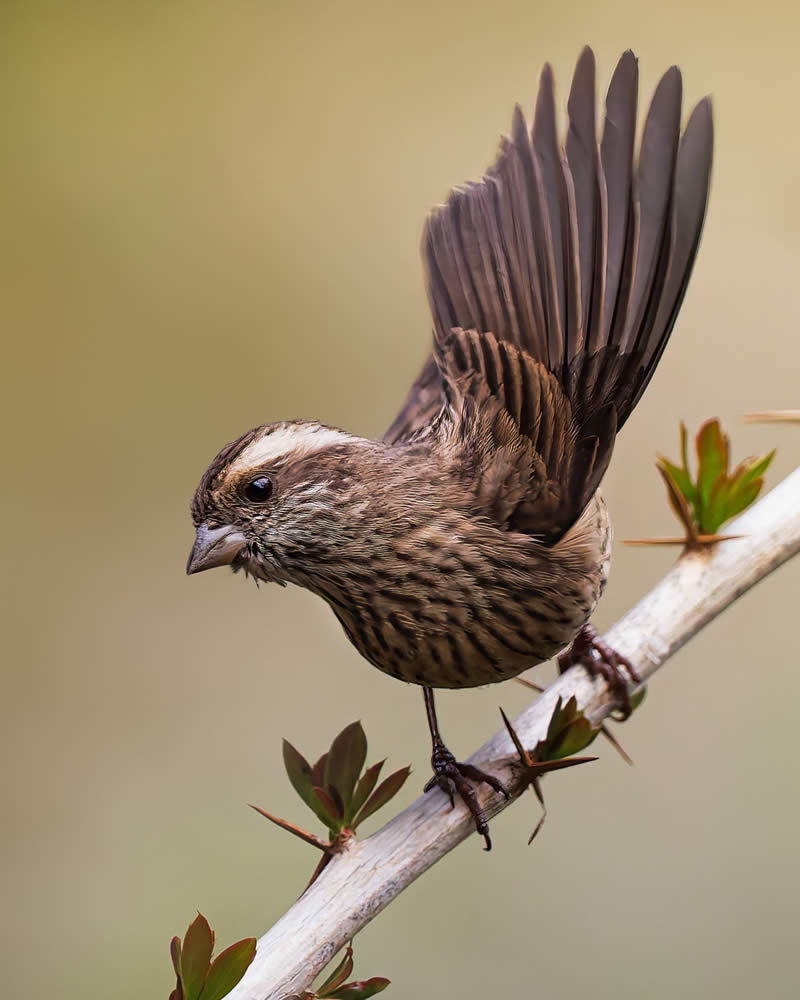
555	281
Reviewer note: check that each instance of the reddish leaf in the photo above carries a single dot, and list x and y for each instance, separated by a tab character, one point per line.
385	791
339	974
345	759
366	783
360	990
228	968
333	791
198	943
326	809
175	954
177	993
299	771
318	771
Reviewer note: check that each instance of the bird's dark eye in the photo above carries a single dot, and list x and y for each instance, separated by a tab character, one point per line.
259	490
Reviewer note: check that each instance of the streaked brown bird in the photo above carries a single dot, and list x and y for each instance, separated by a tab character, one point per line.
471	542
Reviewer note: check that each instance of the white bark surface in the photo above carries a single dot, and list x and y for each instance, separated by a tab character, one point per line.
357	885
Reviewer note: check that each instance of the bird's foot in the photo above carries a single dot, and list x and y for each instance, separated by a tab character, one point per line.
453	778
592	652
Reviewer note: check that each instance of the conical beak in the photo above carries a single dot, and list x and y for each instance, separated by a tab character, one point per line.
214	547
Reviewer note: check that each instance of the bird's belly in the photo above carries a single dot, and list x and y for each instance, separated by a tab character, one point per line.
488	604
456	645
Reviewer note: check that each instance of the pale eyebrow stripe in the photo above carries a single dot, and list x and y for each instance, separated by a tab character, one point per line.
300	440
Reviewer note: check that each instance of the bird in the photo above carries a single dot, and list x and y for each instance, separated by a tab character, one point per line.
471	541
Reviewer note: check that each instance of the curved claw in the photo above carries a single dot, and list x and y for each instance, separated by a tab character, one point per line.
454	777
593	653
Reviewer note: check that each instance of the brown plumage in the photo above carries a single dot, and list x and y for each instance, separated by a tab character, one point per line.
471	542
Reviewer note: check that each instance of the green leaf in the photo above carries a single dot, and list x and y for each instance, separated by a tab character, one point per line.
685	449
712	457
299	771
568	731
680	478
739	500
679	504
741	480
385	791
638	697
360	990
345	759
563	715
364	788
703	507
753	468
228	968
198	943
339	974
577	735
715	509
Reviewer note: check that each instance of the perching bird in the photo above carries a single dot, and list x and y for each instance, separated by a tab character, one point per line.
471	542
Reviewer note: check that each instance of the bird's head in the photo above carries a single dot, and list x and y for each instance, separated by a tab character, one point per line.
269	502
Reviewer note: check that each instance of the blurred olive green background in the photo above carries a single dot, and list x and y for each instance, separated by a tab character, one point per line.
210	219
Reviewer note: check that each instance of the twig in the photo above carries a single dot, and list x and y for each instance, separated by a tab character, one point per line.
360	882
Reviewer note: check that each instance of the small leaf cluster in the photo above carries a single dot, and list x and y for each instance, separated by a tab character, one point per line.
567	731
200	978
336	791
334	788
335	987
705	503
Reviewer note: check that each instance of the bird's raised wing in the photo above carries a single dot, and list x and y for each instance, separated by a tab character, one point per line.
575	260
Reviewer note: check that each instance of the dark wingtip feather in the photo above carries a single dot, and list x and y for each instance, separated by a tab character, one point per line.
616	155
519	128
654	191
581	150
692	183
547	158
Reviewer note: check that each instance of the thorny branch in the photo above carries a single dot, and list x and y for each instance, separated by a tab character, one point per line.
359	883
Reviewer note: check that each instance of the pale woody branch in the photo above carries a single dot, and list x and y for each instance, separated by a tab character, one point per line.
360	883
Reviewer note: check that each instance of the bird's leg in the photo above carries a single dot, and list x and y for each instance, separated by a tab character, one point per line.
452	776
599	659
